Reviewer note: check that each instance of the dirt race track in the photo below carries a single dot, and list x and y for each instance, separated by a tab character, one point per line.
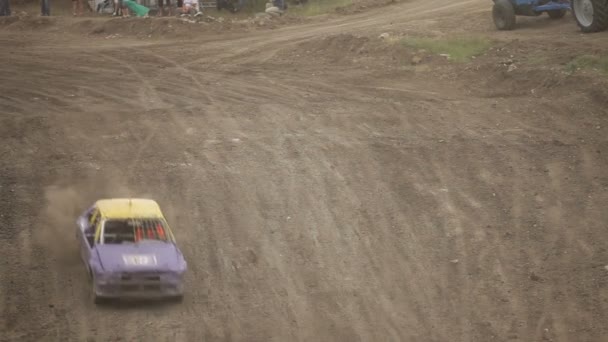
319	191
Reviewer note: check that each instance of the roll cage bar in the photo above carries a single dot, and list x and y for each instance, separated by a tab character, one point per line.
100	228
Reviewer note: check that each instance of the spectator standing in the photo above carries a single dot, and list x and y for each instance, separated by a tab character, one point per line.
117	8
191	5
45	9
161	7
280	4
226	4
5	8
273	9
77	7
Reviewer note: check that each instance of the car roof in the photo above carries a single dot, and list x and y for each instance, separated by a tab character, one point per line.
123	208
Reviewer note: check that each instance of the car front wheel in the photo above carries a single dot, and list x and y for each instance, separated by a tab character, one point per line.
95	298
177	299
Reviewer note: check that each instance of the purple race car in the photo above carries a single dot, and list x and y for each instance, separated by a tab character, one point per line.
130	251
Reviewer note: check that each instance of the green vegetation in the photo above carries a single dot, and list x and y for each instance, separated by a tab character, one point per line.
317	7
458	49
537	59
599	63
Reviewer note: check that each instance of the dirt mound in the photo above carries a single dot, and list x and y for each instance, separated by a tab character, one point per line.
384	52
363	5
28	23
5	21
149	27
503	81
173	27
339	46
518	68
349	49
187	27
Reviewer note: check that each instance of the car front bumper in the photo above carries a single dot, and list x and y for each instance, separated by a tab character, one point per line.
110	291
138	289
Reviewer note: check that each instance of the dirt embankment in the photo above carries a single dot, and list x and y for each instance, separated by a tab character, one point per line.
26	20
143	28
360	6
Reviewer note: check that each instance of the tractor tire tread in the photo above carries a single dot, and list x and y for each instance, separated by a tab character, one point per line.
507	21
603	16
600	18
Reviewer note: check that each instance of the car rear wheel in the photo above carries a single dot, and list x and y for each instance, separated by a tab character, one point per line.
98	299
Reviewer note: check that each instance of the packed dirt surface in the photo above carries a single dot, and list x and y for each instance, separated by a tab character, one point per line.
323	183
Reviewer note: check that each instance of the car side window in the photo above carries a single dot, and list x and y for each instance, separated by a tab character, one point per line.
89	214
94	219
95	225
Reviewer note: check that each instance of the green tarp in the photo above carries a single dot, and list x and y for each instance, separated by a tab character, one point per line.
139	10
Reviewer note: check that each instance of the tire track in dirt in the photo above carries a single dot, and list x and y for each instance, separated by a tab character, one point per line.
22	260
184	71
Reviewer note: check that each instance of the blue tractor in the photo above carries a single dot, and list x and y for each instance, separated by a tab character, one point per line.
591	15
504	11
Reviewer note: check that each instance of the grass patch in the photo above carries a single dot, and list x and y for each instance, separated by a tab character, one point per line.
459	49
318	7
599	63
538	59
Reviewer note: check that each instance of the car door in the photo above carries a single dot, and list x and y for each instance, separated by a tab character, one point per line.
86	232
82	223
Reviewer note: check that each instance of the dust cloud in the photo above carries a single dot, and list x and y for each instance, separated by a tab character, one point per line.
62	206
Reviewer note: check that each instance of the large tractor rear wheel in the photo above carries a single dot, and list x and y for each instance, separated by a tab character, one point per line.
503	14
591	15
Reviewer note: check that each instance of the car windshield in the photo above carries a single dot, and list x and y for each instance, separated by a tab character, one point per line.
134	230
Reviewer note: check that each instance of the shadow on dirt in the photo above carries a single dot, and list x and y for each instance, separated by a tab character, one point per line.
137	304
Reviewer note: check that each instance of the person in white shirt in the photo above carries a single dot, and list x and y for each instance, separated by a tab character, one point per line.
191	4
161	7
